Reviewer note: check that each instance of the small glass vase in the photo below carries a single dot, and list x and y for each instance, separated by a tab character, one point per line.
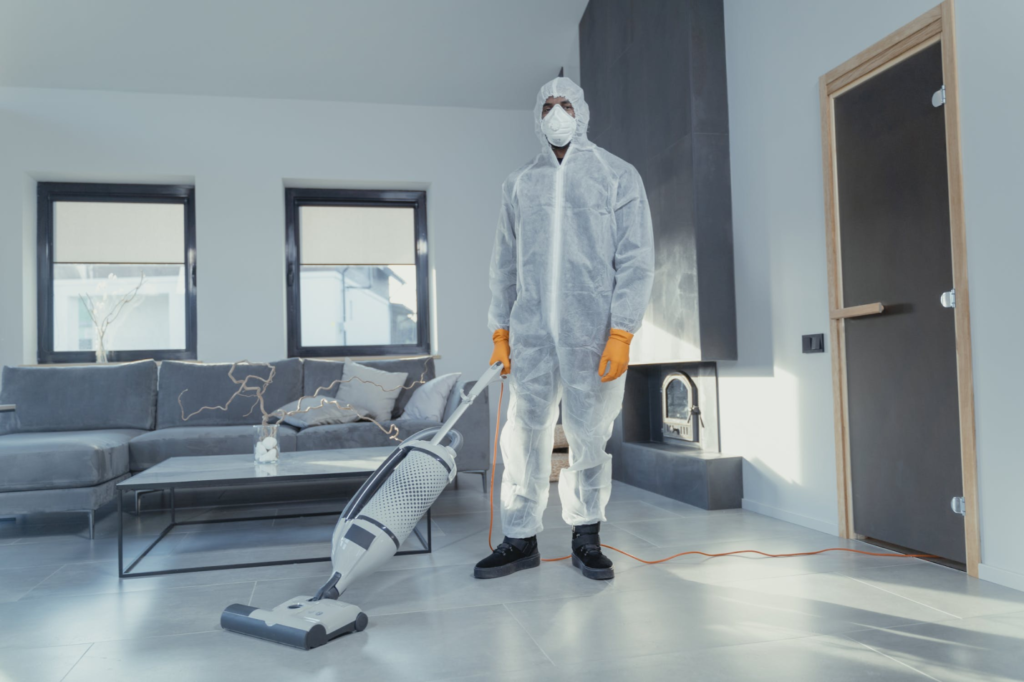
266	447
101	351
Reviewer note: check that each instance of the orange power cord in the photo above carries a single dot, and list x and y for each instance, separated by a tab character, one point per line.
490	525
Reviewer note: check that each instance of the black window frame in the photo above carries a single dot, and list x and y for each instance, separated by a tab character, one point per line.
296	197
49	192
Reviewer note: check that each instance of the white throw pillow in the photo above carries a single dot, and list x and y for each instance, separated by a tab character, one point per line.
372	390
332	411
429	400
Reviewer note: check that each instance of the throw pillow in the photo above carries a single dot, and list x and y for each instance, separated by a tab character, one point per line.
332	411
429	400
371	389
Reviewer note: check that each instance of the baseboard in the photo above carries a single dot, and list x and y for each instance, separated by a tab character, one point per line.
791	517
1001	576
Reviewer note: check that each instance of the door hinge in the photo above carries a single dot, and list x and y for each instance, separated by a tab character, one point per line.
939	97
948	299
959	506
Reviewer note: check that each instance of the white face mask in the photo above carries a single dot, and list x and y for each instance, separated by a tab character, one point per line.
558	126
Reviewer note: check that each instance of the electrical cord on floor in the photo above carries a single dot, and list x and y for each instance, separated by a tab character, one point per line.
490	525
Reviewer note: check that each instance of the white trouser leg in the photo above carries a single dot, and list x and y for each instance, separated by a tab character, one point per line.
589	409
527	440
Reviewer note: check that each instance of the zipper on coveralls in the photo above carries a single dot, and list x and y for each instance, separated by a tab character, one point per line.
556	248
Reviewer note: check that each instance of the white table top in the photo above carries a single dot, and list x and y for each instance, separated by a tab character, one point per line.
226	470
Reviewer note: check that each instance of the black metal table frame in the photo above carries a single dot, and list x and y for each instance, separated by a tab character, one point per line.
122	572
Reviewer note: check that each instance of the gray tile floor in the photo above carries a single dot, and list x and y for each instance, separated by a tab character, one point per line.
64	615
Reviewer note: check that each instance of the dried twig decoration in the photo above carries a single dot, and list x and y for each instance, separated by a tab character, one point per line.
258	387
102	317
257	390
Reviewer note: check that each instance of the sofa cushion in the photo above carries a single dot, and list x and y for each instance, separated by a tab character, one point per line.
371	389
430	401
321	373
196	441
80	398
359	435
64	459
208	385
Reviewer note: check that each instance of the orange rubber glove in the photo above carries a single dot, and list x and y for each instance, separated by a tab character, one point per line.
615	358
502	353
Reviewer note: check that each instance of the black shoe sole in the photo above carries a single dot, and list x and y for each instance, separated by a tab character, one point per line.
532	561
593	573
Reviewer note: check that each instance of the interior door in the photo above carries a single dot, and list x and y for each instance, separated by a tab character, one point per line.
894	239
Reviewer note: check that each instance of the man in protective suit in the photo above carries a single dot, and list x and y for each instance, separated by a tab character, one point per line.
571	276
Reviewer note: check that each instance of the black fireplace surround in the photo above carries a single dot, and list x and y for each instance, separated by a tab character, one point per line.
655	78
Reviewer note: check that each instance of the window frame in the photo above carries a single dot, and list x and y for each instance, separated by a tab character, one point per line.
49	192
295	198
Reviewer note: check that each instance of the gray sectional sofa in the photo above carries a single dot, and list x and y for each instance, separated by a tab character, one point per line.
77	431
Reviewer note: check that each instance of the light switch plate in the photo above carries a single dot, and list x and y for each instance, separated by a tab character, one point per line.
814	343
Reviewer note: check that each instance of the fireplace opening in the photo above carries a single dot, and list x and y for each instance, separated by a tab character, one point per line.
680	411
674	406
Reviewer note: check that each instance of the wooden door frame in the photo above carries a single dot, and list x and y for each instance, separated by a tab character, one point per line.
936	25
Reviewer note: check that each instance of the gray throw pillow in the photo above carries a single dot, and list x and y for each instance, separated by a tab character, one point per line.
372	390
430	399
318	411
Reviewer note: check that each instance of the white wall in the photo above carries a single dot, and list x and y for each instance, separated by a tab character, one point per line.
990	54
240	153
776	403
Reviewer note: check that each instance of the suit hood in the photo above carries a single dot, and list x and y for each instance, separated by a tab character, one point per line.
563	87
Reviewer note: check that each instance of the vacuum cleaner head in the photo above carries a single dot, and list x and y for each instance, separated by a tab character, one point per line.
298	622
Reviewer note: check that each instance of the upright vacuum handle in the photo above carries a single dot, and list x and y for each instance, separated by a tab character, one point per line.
484	381
467	399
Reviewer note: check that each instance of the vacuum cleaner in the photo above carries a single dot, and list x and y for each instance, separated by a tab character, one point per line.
373	525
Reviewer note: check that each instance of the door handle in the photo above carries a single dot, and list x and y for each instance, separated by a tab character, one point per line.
857	311
959	506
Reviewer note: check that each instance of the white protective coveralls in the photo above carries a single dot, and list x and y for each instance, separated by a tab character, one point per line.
573	258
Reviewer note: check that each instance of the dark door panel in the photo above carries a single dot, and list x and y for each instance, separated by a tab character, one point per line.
901	365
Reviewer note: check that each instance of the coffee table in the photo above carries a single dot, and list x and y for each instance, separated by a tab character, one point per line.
231	471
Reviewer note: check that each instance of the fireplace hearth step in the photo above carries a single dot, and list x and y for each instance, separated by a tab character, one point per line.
704	479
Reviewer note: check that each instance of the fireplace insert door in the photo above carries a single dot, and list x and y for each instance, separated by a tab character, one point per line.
901	365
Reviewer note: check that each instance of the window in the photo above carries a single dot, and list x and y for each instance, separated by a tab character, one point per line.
120	258
357	273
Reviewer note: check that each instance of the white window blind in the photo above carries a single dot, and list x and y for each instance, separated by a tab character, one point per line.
357	235
112	232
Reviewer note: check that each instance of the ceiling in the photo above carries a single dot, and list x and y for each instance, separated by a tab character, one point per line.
467	53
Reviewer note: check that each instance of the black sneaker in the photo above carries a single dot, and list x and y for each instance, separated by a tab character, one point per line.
514	554
586	553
